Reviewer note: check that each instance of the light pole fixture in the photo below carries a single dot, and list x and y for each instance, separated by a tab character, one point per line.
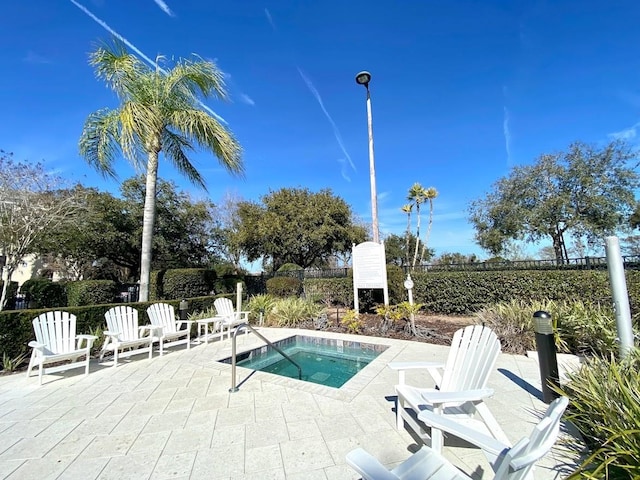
363	78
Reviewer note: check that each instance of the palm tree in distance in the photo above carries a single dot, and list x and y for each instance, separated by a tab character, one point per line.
158	112
416	195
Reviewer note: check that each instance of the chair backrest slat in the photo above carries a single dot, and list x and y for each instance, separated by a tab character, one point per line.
224	306
472	357
56	330
519	460
163	315
124	320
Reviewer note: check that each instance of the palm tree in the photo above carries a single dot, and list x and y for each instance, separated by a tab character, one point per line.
417	196
429	194
158	113
407	209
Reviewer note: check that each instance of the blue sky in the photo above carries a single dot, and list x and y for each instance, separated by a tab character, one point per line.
461	90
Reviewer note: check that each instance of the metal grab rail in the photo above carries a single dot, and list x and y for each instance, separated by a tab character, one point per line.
245	325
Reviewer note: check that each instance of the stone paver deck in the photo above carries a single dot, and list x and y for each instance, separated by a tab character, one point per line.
173	417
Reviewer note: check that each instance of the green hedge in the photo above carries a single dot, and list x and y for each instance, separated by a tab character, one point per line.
449	293
187	282
45	293
90	292
284	286
16	329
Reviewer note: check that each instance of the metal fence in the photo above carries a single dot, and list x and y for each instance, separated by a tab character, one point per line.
630	262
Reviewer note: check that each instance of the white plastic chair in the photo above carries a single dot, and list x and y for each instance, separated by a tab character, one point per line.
508	463
56	341
461	386
124	335
163	315
231	318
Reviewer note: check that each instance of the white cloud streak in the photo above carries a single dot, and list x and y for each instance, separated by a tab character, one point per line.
153	64
627	134
507	135
244	98
164	7
270	19
336	132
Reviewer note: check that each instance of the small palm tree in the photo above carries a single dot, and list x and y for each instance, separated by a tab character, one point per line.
417	196
159	112
429	194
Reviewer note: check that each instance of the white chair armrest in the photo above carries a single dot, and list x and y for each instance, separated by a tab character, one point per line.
187	322
446	424
109	333
432	367
436	397
88	338
36	345
368	466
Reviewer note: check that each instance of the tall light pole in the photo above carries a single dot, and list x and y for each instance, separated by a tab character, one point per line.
363	78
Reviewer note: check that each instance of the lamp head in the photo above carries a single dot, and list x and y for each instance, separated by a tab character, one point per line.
363	78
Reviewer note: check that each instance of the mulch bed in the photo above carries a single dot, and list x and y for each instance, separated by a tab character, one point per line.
436	329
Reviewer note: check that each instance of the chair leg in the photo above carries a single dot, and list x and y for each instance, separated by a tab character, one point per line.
86	368
40	374
399	409
150	349
31	363
115	356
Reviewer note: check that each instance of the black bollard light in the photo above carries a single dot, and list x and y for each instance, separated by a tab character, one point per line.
546	346
183	309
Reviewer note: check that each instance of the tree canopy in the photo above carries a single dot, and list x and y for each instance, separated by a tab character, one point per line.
33	205
295	225
585	192
186	233
159	112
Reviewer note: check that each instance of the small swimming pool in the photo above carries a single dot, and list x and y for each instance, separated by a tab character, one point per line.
325	361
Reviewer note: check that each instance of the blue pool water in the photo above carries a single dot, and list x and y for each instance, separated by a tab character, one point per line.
324	361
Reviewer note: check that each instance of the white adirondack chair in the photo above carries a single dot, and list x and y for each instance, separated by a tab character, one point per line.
508	463
461	387
162	315
56	341
124	335
231	318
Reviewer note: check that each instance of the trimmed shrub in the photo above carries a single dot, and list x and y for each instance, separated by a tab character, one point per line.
287	267
330	291
90	292
284	287
155	285
289	312
45	293
187	282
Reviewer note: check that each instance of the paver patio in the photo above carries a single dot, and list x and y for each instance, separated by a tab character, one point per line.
173	417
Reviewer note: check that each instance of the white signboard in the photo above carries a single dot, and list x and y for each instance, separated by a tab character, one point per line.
369	269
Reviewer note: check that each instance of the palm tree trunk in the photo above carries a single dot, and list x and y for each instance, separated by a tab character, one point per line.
415	253
148	220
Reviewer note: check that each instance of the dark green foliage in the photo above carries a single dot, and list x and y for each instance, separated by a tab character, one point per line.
45	293
284	286
156	278
605	407
12	289
287	267
188	282
228	284
331	291
90	292
395	283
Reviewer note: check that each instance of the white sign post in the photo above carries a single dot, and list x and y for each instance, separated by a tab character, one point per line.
369	270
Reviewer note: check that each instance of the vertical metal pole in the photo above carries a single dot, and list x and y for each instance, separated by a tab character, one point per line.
547	358
372	173
238	298
234	387
620	295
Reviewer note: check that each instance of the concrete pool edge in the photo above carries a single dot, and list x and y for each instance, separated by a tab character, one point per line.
345	393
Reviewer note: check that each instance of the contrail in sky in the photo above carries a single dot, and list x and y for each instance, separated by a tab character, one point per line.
507	135
164	7
270	19
336	132
104	25
505	128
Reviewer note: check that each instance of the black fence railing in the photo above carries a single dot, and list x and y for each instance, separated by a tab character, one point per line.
630	262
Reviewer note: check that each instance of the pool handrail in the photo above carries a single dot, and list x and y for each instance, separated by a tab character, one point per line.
245	325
